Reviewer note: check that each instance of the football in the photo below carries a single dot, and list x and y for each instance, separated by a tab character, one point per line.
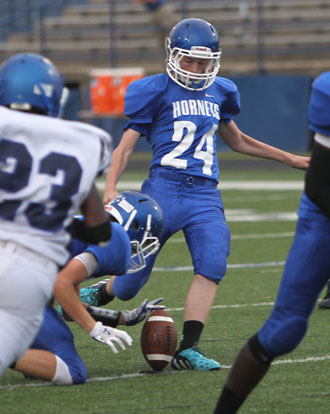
158	339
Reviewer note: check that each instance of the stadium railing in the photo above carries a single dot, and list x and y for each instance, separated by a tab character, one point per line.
257	36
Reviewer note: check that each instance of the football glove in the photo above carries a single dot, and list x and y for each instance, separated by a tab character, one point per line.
110	336
137	315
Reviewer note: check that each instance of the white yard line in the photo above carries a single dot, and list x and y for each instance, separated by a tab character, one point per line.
237	306
245	236
144	373
284	216
229	266
225	185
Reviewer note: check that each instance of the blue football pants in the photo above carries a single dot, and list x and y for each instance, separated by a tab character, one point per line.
198	211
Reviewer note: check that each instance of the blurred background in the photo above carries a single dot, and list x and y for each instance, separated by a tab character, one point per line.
272	49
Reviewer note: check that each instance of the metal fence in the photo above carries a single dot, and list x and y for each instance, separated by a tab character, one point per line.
252	43
22	15
27	16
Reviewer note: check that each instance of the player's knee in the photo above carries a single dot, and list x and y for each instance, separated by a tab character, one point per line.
213	266
62	375
258	351
80	377
287	336
125	293
214	273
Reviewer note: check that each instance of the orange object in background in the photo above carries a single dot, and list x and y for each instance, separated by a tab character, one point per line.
108	87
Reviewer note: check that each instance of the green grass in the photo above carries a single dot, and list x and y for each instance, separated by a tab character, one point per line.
289	388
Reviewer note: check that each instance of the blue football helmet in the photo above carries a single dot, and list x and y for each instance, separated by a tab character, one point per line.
30	82
195	38
142	218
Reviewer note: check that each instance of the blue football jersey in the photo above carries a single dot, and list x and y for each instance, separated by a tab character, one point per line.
318	114
180	124
114	258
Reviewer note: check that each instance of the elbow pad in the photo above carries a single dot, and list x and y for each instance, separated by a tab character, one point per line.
99	235
317	180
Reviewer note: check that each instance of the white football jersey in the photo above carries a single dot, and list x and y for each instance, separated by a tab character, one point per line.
47	168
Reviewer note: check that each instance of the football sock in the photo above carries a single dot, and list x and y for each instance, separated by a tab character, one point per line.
243	377
228	402
103	296
191	333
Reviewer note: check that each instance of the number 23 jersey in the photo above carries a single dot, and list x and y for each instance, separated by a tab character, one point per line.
180	124
47	168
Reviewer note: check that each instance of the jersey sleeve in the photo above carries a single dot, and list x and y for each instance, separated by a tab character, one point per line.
231	103
106	151
319	104
114	258
142	100
104	140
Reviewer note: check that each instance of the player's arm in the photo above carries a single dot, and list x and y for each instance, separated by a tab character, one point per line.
120	158
127	317
65	292
240	142
95	228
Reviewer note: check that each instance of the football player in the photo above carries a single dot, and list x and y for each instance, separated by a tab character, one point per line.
180	113
306	270
47	172
53	355
130	209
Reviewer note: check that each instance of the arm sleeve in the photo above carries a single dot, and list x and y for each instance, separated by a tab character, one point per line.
231	105
142	102
114	258
89	261
317	179
105	153
319	104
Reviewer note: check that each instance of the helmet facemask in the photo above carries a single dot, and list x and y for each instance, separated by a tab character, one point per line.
190	80
148	245
141	250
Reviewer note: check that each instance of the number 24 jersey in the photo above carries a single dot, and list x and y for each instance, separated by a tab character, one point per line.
180	124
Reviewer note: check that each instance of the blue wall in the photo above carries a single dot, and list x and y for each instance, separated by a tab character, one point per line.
274	110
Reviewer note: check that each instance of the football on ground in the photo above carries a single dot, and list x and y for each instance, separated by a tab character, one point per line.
158	339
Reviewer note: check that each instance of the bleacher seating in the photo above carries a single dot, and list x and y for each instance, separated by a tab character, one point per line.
282	36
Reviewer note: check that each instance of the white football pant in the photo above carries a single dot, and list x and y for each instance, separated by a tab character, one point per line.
26	284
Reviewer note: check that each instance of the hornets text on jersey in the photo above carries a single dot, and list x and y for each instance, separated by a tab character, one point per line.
181	125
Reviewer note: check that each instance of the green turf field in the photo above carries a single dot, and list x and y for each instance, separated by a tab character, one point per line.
262	223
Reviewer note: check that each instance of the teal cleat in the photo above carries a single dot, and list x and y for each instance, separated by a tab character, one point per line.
192	358
88	294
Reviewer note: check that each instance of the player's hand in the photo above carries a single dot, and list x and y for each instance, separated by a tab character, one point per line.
143	311
110	336
109	195
302	163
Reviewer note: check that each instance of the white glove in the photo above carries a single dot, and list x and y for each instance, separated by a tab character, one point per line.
109	336
143	311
